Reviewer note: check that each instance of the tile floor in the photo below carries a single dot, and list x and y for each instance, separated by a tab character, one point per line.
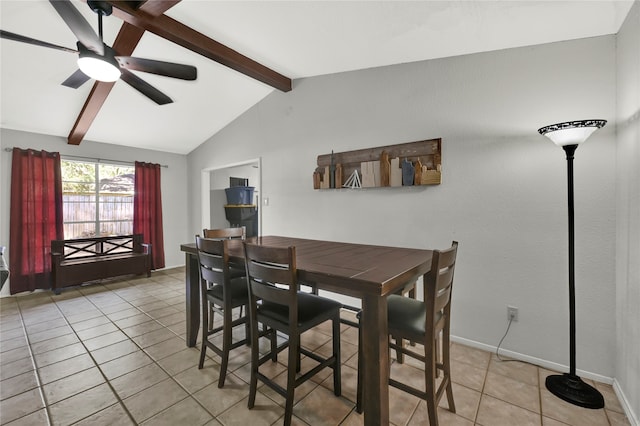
114	353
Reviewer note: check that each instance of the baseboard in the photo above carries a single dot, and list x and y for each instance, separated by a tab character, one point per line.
626	406
631	416
533	360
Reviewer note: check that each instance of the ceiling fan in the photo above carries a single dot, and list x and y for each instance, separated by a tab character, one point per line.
98	61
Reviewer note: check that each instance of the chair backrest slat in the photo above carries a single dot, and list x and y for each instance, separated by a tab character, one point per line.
271	293
226	233
269	272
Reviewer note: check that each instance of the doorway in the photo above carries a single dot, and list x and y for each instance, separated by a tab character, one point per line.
214	199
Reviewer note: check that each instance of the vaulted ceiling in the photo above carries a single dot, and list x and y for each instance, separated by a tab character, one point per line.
246	50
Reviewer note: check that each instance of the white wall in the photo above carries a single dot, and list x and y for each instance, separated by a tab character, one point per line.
220	177
628	212
503	192
173	179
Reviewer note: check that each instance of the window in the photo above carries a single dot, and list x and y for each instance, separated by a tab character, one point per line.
97	199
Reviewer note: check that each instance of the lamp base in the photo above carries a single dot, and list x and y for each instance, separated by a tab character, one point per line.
573	390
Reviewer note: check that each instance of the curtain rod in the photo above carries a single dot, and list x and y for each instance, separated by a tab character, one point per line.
97	160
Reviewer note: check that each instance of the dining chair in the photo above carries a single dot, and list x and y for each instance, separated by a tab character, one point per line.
239	233
426	323
220	293
275	301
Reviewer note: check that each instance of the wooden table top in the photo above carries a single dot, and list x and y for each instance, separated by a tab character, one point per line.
345	268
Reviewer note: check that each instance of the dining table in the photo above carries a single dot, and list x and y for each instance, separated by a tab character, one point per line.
367	272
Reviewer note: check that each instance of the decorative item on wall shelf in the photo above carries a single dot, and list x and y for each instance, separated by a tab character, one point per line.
408	164
408	172
353	181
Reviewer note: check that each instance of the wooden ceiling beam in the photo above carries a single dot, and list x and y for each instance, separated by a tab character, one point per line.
157	7
191	39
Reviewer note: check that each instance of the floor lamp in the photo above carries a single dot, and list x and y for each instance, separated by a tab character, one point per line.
570	387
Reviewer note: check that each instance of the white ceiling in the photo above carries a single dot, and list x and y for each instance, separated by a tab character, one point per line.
295	38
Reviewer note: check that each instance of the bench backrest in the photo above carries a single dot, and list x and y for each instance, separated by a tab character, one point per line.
99	246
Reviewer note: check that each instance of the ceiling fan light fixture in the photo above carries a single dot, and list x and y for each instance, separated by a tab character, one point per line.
101	68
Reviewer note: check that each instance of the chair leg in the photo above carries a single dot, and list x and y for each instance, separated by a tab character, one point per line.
210	325
203	349
360	388
430	386
207	315
255	355
273	337
437	346
399	355
298	359
337	373
360	384
446	371
226	346
247	328
294	356
412	295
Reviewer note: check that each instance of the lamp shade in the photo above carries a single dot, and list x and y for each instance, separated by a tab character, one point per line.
571	132
101	68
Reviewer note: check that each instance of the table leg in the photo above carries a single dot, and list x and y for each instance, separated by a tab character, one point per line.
192	281
375	343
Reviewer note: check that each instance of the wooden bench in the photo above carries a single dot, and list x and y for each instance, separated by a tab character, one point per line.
82	260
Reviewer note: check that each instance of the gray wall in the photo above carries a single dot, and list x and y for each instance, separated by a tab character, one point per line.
627	288
503	192
173	179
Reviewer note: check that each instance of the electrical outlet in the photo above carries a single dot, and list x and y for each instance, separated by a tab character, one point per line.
512	313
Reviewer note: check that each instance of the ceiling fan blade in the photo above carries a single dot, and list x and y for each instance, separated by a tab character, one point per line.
78	25
167	69
24	39
145	88
76	80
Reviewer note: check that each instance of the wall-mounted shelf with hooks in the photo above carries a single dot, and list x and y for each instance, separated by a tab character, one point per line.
407	164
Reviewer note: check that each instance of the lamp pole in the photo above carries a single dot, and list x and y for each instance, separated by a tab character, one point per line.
570	150
569	386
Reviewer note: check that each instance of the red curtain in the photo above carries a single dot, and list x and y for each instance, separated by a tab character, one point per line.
35	219
147	210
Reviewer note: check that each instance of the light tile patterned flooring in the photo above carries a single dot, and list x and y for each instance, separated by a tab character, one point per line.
114	353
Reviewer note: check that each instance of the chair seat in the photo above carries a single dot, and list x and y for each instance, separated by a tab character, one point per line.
311	308
407	315
239	292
